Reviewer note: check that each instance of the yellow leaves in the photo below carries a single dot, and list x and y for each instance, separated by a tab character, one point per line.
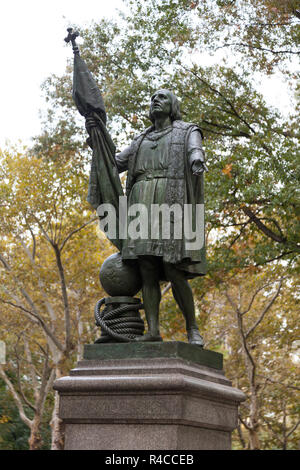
4	419
227	170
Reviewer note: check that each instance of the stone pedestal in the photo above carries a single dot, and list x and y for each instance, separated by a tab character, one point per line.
148	396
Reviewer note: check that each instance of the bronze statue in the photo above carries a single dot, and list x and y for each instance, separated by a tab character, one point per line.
165	165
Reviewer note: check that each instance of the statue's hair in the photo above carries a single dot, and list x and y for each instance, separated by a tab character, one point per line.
175	108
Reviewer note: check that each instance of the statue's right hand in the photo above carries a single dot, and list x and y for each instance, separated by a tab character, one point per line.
90	122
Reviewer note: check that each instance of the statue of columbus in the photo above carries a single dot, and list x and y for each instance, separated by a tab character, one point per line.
165	166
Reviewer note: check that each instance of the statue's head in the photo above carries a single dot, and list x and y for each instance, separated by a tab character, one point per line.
164	102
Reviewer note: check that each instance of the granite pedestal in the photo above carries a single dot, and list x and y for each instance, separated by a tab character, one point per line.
149	396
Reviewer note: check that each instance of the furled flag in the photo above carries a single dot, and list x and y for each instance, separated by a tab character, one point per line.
104	184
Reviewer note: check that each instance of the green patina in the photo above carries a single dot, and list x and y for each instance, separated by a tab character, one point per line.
155	350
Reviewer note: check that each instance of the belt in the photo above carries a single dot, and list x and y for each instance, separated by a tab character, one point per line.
151	174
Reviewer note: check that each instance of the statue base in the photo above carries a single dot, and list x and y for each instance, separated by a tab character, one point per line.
148	396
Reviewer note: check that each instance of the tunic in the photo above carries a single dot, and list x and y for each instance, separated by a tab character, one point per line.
150	188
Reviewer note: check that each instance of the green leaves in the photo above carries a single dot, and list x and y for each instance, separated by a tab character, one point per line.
213	56
250	146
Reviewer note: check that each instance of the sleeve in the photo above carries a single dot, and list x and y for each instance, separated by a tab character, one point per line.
195	152
122	159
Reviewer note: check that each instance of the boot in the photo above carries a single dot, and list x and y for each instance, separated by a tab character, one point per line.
194	337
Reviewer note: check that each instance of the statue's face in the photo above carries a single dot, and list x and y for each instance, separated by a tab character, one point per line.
161	103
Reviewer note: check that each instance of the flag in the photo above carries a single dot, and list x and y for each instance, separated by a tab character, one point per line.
104	183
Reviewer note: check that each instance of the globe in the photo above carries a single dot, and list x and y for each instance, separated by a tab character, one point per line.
119	278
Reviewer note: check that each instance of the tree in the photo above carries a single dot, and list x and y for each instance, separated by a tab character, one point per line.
251	188
30	396
49	278
14	434
254	319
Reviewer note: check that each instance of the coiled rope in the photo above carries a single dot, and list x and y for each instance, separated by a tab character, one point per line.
121	323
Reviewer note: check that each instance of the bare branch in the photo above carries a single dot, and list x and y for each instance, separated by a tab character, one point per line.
33	238
244	225
235	308
27	402
249	46
42	229
243	337
245	424
4	262
275	434
33	312
205	129
242	440
262	226
293	429
293	387
266	309
39	320
26	249
223	97
50	382
65	297
166	289
30	315
47	375
31	368
255	294
233	131
75	231
22	290
16	398
275	223
276	258
40	281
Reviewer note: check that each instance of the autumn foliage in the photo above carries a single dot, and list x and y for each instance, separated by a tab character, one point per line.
219	57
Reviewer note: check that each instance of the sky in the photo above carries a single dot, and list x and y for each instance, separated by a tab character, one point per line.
32	36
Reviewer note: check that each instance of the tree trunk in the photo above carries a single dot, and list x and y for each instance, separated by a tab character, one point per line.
251	372
254	421
57	434
254	440
240	434
35	439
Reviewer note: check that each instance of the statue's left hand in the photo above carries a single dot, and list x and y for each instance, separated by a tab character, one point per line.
198	167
